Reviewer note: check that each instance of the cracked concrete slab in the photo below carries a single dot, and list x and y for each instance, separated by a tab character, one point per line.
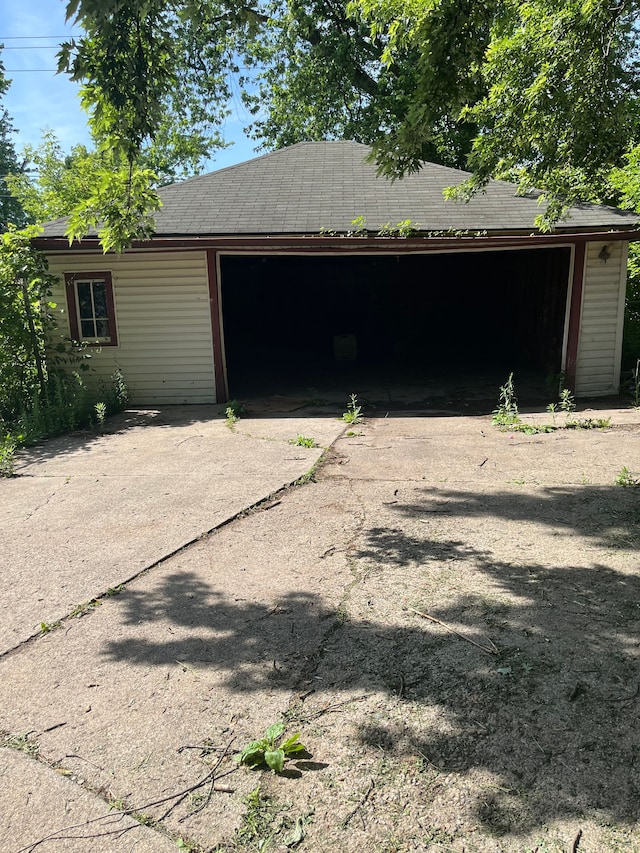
43	802
87	512
300	611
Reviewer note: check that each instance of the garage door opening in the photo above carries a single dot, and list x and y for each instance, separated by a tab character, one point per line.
300	322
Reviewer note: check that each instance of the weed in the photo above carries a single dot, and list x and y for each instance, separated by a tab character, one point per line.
589	423
359	227
120	390
303	441
405	228
532	429
309	477
85	607
552	408
353	415
271	749
233	412
507	413
47	627
22	743
257	828
626	478
101	413
567	405
181	844
7	456
114	590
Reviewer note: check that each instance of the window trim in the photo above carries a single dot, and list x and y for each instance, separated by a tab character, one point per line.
71	279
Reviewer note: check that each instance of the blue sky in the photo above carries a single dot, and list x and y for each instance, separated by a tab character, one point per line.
38	98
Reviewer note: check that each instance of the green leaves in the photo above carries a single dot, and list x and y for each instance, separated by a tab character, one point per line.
268	751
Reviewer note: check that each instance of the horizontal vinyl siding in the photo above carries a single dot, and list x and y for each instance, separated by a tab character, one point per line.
600	343
163	319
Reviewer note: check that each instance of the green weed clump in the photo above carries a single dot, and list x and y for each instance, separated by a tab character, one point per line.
626	479
353	415
508	417
507	413
271	749
303	441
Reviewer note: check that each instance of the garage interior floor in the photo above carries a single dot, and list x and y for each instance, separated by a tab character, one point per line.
463	392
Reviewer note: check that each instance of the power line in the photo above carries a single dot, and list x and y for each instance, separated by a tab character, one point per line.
12	38
32	47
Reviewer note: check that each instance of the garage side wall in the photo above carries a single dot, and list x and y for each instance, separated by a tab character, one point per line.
601	325
163	323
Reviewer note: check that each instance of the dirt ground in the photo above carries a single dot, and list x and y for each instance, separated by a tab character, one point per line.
507	722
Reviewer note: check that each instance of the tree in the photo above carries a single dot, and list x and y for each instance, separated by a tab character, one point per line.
544	92
10	210
561	83
25	286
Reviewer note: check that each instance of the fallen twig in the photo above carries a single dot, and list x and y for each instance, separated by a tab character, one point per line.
334	706
116	815
362	801
492	649
576	842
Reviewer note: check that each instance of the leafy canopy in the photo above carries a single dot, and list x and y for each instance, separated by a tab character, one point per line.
544	92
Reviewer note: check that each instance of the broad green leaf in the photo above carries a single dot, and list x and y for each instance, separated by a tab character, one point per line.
274	759
291	744
274	731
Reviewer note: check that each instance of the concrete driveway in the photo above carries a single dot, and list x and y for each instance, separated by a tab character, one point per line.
124	701
89	512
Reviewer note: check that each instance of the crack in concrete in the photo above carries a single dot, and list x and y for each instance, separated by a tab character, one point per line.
40	505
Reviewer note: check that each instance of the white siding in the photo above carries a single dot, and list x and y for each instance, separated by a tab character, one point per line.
600	342
163	320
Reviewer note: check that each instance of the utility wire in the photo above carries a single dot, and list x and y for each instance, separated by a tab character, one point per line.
12	38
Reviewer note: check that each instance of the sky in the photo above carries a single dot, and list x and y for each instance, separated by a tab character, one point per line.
38	98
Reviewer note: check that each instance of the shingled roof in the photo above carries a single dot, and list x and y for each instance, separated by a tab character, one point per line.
312	186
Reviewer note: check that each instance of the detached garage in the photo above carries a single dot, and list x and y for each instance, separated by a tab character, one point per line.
290	271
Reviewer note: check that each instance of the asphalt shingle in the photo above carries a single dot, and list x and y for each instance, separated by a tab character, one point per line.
312	186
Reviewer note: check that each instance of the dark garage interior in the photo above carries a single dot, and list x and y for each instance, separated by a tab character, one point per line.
298	322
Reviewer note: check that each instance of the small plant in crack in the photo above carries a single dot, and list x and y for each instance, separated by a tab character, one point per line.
626	479
353	415
567	405
233	413
507	412
271	749
85	607
47	627
303	441
22	743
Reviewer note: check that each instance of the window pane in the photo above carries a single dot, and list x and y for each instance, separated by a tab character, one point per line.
88	329
102	328
84	300
100	298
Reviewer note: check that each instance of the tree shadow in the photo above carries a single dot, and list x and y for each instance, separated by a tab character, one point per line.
610	515
553	717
